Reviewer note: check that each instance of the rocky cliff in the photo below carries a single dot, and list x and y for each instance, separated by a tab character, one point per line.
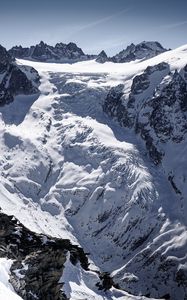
15	79
156	109
38	260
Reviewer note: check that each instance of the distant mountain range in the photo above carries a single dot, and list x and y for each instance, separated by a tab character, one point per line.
72	53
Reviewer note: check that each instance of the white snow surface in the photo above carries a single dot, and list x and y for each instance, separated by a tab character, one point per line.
67	170
6	290
81	284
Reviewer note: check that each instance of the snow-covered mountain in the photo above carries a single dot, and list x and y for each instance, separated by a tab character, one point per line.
97	162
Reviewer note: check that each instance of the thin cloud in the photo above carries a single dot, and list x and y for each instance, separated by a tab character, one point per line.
174	25
100	21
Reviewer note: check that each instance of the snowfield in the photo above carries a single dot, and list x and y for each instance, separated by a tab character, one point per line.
69	171
6	290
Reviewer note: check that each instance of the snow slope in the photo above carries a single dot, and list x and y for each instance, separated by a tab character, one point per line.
80	284
6	290
70	171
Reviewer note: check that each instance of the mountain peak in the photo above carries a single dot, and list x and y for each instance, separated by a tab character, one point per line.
143	50
15	79
43	52
5	58
42	43
102	57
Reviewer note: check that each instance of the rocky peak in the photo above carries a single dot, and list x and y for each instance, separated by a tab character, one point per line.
142	50
44	52
73	47
5	59
41	44
19	52
14	79
41	51
151	45
102	57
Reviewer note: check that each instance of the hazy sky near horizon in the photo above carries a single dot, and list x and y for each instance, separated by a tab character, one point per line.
93	24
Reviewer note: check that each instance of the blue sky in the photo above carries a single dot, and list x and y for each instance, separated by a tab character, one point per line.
93	24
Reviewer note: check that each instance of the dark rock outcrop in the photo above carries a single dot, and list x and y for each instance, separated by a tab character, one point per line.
102	57
14	79
106	282
38	260
5	59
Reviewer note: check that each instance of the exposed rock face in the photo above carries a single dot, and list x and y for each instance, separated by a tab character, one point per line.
102	57
170	101
39	260
39	275
143	50
14	79
127	111
114	107
5	59
155	108
44	52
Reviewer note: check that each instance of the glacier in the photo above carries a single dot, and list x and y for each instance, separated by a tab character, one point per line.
70	171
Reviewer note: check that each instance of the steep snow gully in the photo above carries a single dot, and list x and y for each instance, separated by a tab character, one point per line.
70	171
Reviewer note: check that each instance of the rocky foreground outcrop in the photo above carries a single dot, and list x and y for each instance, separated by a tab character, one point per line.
38	260
15	79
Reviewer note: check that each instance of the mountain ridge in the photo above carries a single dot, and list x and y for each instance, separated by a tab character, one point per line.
72	53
